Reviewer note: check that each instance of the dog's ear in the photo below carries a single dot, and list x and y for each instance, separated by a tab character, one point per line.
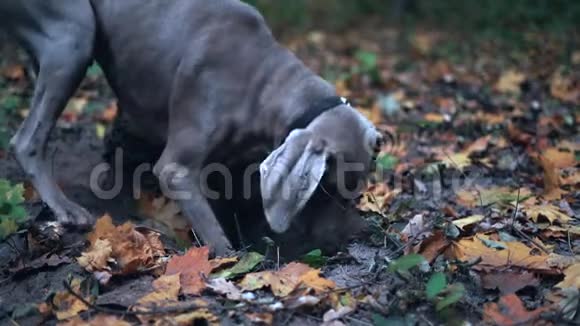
289	176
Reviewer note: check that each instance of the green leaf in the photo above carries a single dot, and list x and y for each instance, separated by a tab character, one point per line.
387	161
493	244
367	60
379	320
455	294
314	259
405	263
245	265
7	227
436	284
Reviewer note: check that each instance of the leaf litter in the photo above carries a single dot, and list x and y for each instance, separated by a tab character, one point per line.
481	210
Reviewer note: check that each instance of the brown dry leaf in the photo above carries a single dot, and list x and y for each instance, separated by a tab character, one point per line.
193	267
97	258
98	320
286	280
13	72
488	196
560	158
220	263
478	145
509	282
377	198
431	247
434	117
564	88
552	181
510	311
261	318
110	113
572	277
190	318
168	213
225	287
510	81
516	255
66	305
571	179
130	250
545	211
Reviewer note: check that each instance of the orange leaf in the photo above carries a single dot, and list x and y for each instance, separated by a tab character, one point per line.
510	311
194	266
129	250
552	179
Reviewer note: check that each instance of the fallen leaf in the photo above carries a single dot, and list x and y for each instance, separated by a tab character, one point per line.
491	196
98	320
13	72
225	287
66	304
166	289
312	280
193	267
431	247
110	113
190	318
377	198
468	221
509	282
516	254
245	265
510	81
546	211
130	251
552	181
286	280
261	318
560	158
571	277
458	161
417	227
220	263
564	88
335	314
510	311
97	258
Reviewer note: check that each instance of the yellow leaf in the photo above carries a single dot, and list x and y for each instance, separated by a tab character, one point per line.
312	280
547	211
67	305
281	282
572	277
516	255
458	160
190	318
467	221
166	290
97	257
510	82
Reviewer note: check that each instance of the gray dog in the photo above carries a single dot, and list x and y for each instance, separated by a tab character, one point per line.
205	80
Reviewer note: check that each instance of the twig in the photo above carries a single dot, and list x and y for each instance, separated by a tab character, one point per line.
465	176
536	243
185	307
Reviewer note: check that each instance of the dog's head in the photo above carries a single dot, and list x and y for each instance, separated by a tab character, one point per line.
333	156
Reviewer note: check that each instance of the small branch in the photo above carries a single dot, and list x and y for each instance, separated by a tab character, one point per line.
182	308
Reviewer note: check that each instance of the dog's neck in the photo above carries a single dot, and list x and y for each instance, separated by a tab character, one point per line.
291	92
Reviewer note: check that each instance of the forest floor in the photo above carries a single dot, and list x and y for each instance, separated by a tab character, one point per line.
474	209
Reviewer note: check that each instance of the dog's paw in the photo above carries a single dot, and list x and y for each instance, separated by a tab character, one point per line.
221	248
71	214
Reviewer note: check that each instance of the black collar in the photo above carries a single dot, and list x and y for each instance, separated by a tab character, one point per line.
315	110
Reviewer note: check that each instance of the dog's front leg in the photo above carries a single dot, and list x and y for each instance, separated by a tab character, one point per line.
184	185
